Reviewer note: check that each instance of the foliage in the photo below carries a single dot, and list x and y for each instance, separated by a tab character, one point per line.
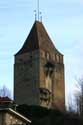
79	96
4	91
33	111
43	116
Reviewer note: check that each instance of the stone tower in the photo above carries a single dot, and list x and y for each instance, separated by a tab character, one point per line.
39	71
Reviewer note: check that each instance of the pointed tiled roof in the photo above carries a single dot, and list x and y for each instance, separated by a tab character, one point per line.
38	38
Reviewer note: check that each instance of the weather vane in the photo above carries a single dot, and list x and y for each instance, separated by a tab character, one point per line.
38	14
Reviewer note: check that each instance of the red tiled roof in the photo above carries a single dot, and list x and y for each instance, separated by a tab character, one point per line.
38	38
5	99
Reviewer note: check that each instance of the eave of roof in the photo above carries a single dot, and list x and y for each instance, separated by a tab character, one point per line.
5	99
16	113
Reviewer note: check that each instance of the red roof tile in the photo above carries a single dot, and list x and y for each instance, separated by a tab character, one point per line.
5	99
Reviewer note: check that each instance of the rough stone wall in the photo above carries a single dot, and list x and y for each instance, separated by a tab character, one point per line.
57	79
26	78
59	87
30	76
12	119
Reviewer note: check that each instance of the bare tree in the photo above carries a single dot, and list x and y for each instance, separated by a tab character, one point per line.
4	91
70	104
79	96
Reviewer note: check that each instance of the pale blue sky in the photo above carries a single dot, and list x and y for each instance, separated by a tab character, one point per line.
63	20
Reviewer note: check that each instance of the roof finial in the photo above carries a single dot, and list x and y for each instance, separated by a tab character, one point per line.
40	16
35	14
38	8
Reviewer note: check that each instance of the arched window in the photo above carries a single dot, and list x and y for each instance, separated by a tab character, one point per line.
57	58
47	56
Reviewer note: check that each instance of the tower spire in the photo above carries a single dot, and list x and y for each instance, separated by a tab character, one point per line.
38	9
